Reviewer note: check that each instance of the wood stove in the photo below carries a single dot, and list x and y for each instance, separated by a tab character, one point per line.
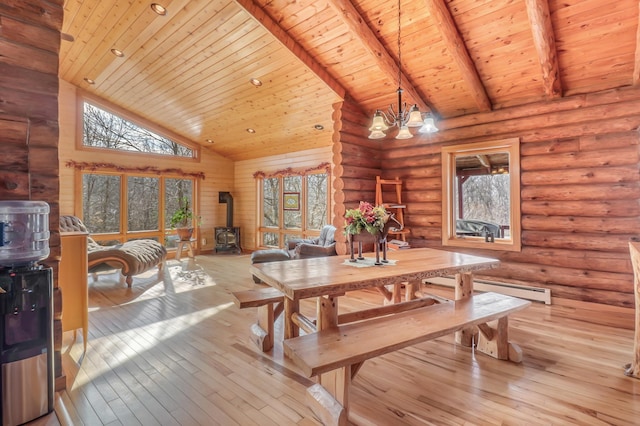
227	237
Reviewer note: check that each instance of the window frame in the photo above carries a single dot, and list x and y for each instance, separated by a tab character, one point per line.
283	232
449	155
123	235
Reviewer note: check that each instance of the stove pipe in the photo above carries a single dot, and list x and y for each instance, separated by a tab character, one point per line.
225	197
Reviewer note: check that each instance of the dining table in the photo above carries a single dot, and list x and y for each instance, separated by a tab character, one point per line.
328	278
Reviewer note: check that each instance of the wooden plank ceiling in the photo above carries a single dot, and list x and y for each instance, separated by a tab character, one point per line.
189	70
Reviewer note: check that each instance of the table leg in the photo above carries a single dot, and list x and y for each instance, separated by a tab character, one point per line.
290	328
464	290
326	312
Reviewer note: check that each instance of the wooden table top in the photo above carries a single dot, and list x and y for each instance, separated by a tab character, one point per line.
304	278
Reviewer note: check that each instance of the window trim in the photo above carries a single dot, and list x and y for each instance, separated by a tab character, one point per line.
449	154
301	232
83	96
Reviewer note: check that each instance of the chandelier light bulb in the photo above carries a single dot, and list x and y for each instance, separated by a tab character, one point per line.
415	117
378	122
377	134
429	125
404	133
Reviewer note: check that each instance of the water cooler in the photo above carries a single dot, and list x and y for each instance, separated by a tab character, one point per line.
26	313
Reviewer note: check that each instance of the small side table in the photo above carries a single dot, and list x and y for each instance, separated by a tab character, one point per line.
189	245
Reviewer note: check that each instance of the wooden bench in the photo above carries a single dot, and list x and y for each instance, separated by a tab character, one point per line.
336	354
269	302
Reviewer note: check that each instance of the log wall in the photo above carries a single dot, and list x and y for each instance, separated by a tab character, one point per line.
580	191
357	161
30	43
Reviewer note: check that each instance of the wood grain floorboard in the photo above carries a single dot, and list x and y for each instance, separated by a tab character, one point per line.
177	351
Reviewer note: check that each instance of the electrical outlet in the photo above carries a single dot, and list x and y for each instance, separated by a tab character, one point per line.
204	241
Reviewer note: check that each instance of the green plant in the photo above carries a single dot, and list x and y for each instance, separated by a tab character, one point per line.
183	217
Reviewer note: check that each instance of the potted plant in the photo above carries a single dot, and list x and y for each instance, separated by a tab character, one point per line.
182	220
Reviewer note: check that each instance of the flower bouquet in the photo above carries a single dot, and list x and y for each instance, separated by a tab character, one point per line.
366	216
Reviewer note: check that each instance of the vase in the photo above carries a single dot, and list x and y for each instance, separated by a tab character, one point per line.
184	234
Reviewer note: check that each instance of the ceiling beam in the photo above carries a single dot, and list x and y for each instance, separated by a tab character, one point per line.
287	41
545	43
459	53
370	42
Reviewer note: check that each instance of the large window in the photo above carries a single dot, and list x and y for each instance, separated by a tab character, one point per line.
125	206
292	206
481	204
106	130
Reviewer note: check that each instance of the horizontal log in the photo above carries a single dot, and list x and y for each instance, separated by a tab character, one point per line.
596	192
426	208
30	60
601	242
580	259
608	140
44	160
572	160
359	140
45	14
411	173
32	105
576	102
549	147
14	185
574	224
589	175
605	208
423	220
36	36
355	184
360	172
569	277
13	131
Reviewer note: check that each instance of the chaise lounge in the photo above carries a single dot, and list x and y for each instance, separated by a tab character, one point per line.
132	258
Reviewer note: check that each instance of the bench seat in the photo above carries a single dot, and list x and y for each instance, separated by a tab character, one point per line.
336	354
356	342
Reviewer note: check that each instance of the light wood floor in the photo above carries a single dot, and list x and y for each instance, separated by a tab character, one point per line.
176	352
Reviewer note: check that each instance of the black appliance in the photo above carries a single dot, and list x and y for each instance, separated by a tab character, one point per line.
26	313
227	237
26	343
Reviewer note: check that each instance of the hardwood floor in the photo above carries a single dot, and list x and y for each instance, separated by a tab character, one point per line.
177	352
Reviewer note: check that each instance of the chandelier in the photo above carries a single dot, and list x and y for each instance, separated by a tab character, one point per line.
403	117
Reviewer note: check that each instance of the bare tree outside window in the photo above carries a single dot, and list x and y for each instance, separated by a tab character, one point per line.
101	202
105	130
142	203
317	200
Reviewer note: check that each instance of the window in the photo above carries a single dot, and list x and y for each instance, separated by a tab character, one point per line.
481	187
292	206
103	129
117	207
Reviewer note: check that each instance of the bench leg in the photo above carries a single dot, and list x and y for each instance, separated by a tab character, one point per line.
329	399
493	340
262	332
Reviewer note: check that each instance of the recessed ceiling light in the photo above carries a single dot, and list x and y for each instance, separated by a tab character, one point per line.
318	127
250	130
159	9
256	82
209	141
90	81
119	53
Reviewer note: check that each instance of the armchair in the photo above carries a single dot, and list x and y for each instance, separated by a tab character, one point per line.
323	245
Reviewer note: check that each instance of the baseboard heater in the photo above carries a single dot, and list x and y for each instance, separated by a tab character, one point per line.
536	294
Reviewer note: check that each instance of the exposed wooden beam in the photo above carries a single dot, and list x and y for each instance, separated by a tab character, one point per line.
283	37
387	64
455	44
636	66
545	43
